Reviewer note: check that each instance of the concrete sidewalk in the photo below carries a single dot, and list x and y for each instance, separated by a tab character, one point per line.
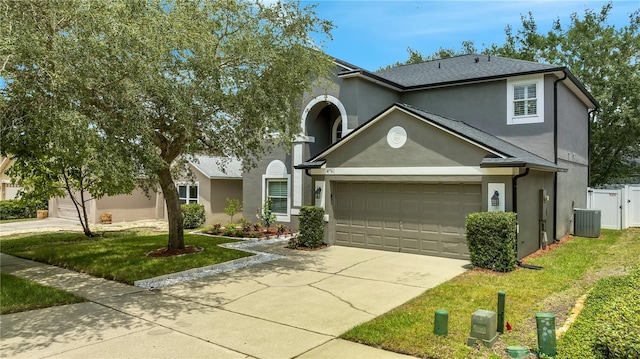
291	307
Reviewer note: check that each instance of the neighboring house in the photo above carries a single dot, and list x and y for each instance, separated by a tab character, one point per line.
399	157
209	185
8	190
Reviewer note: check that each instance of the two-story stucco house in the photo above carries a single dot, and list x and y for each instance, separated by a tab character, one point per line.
399	157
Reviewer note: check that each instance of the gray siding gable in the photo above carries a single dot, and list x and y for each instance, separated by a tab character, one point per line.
460	70
501	153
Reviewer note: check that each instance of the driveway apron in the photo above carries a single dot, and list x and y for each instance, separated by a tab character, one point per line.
295	306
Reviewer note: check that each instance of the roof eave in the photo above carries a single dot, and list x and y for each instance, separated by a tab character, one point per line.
371	77
523	164
310	165
482	79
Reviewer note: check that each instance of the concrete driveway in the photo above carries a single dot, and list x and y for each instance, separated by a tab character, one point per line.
39	225
60	224
292	307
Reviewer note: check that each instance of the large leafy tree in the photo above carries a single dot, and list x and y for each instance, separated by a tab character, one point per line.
166	79
57	150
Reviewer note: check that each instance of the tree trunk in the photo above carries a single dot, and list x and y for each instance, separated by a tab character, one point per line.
83	217
85	225
174	212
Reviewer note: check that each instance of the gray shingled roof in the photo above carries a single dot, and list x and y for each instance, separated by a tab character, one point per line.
218	167
515	156
460	68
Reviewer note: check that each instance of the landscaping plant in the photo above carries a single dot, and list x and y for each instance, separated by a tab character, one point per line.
193	215
266	214
491	238
311	227
233	206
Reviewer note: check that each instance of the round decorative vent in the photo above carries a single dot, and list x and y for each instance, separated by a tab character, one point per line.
397	137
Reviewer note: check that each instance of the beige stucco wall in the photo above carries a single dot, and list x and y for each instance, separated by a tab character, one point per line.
213	194
7	190
126	208
123	208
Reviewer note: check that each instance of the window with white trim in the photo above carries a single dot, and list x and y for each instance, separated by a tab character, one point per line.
278	192
525	100
188	193
276	185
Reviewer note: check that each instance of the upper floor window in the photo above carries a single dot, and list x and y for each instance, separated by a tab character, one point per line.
188	193
525	100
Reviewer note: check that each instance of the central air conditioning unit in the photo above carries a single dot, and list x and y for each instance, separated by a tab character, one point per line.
586	223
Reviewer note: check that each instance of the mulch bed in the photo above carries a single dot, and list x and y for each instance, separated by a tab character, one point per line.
164	252
550	247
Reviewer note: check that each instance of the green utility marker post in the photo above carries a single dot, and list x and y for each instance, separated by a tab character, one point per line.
546	324
441	322
501	300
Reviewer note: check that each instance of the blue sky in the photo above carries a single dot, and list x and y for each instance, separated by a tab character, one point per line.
373	34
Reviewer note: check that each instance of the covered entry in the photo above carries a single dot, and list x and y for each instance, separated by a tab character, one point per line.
417	218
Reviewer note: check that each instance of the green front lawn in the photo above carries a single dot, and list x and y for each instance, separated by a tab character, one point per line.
119	256
18	295
569	271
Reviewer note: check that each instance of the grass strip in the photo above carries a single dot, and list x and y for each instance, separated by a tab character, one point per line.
409	328
19	295
119	256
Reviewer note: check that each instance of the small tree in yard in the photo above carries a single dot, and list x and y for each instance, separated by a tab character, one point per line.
233	206
72	160
266	214
166	79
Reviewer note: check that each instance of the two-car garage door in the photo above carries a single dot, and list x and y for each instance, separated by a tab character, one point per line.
405	217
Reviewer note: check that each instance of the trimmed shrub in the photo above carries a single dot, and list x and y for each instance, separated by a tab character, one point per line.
491	237
192	215
311	227
16	209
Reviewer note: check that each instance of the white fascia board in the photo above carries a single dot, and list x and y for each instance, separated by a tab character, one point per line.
413	171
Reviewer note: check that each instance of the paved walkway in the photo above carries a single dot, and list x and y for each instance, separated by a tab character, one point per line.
292	307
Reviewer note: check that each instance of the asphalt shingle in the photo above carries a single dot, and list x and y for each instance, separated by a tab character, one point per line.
218	167
460	68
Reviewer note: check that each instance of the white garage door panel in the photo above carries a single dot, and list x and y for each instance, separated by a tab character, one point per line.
414	218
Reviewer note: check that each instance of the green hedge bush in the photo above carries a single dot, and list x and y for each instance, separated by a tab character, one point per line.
491	237
192	215
311	227
16	209
608	326
619	329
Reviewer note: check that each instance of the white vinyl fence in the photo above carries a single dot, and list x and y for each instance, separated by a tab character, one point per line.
619	208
